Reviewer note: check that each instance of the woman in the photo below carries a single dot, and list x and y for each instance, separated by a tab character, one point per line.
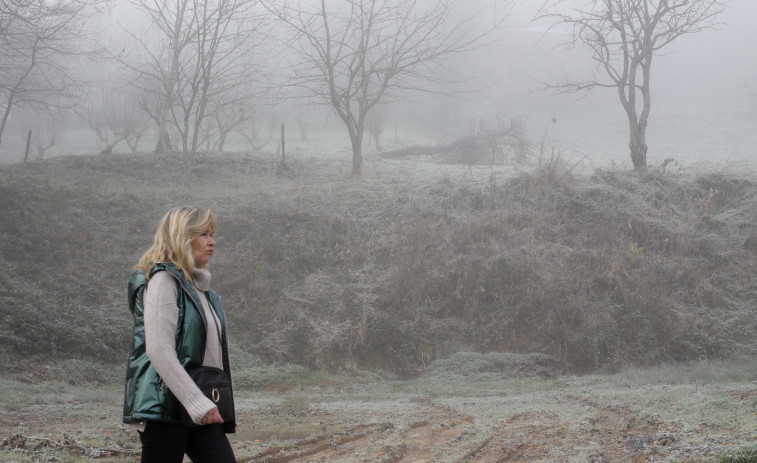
178	325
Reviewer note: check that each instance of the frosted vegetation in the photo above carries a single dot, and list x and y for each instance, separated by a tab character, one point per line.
498	284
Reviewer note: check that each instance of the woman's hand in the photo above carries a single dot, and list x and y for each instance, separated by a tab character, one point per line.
212	417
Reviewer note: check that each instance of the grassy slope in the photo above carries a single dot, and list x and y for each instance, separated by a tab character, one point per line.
407	264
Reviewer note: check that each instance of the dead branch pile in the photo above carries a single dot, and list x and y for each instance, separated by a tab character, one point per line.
31	444
485	146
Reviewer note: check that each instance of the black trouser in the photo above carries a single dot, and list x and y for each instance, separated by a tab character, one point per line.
168	442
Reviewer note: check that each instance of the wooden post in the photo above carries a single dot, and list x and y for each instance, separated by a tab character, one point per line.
282	162
28	146
283	151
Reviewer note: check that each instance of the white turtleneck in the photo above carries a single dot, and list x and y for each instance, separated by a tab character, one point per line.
161	318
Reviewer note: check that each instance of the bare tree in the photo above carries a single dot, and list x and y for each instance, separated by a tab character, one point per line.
353	53
148	91
302	123
258	129
45	135
202	59
176	25
37	41
135	118
228	117
216	68
624	36
49	137
114	114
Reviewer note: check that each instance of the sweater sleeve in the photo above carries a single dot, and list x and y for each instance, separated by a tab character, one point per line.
161	318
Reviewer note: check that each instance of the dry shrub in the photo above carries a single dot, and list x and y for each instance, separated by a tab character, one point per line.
554	165
498	143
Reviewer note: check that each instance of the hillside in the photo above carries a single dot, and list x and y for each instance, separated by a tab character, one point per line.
412	262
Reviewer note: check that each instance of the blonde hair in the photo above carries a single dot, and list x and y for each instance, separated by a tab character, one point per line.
173	239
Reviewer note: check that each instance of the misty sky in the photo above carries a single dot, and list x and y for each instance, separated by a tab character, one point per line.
710	68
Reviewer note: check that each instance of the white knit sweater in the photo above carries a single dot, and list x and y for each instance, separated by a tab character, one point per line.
161	318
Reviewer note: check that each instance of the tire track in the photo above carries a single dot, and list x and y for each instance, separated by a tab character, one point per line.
411	442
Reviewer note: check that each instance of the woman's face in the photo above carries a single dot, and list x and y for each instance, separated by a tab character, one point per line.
202	249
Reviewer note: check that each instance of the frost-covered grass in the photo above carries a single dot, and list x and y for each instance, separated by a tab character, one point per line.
561	419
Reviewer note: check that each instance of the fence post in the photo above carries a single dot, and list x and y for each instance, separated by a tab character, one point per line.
28	146
282	162
283	144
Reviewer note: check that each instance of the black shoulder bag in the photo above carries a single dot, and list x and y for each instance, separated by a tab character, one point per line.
215	384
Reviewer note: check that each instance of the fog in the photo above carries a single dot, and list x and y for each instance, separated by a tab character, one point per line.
703	80
471	305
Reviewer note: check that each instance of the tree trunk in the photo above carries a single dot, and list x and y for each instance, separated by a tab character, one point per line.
28	146
283	163
11	99
160	145
638	146
4	120
303	127
357	153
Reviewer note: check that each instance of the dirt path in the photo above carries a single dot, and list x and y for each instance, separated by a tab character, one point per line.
615	434
416	441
